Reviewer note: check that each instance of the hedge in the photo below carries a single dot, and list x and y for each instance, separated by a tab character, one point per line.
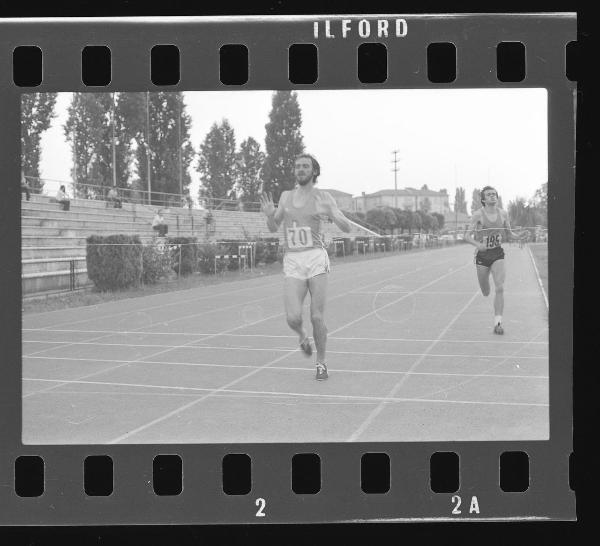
189	254
114	261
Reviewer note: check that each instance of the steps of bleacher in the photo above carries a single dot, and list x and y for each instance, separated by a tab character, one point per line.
47	265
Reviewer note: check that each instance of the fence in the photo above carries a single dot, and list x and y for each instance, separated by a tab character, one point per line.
143	197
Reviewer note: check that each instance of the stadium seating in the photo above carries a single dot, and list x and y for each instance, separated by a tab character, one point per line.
53	241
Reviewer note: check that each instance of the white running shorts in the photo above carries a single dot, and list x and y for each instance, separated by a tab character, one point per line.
306	264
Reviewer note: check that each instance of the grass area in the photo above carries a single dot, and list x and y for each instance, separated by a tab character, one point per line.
95	297
540	255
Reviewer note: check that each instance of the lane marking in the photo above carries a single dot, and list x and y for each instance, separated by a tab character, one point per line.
539	280
283	393
335	282
371	417
269	349
249	374
217	334
268	285
287	336
285	368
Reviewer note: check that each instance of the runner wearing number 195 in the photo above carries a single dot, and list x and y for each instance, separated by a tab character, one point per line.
305	263
490	227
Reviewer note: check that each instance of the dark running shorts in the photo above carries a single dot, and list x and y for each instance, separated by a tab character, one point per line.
488	257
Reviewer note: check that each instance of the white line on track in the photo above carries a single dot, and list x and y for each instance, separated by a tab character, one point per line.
376	411
181	301
227	332
283	368
539	280
255	371
287	336
67	344
514	354
279	393
271	349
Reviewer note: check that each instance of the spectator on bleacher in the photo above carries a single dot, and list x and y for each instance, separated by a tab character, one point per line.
25	187
159	224
62	198
113	197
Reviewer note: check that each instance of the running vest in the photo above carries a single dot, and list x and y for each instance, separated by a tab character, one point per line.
490	233
301	225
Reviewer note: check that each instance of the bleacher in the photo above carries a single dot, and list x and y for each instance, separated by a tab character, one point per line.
53	241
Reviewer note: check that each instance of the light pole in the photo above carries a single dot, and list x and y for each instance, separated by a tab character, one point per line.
114	151
179	101
148	163
395	161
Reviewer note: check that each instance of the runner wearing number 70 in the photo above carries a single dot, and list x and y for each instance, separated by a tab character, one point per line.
489	226
305	262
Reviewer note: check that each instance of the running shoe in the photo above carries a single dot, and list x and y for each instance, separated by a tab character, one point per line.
498	329
306	347
321	371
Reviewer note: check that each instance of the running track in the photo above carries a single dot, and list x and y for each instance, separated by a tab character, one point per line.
411	355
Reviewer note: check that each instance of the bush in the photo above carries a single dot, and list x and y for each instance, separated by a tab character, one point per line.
267	250
114	261
189	254
156	263
206	259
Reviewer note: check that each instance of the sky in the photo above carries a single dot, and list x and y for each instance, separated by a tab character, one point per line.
445	138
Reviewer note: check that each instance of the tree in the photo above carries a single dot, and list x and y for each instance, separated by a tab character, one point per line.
402	220
522	214
460	205
440	219
248	170
37	111
217	162
382	217
283	142
86	128
476	200
540	201
168	140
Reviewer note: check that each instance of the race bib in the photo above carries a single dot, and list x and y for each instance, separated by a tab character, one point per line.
492	241
299	237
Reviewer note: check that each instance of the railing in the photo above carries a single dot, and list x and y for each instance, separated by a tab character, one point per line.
143	197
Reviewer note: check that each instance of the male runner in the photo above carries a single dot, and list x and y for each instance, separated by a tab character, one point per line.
305	263
490	225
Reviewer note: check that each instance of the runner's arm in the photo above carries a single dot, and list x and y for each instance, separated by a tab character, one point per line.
475	219
336	215
513	235
274	220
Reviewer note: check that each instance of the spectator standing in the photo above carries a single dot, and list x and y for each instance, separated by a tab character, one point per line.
113	197
159	224
25	187
61	197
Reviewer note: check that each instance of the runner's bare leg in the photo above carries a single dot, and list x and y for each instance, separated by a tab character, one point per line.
318	296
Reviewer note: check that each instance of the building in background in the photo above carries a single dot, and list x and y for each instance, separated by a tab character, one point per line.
407	198
343	200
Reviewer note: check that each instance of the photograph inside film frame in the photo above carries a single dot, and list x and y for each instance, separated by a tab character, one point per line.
284	266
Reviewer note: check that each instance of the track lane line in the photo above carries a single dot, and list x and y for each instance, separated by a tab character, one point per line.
373	415
217	334
255	371
291	394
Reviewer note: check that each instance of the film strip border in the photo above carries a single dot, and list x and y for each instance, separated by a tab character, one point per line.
126	489
246	484
320	52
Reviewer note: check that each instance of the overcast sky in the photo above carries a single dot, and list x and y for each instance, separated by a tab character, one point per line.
445	138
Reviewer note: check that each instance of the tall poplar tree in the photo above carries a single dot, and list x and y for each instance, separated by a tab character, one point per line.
283	142
217	162
37	111
249	165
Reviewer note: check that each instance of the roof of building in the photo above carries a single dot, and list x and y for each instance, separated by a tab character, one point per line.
407	192
337	192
